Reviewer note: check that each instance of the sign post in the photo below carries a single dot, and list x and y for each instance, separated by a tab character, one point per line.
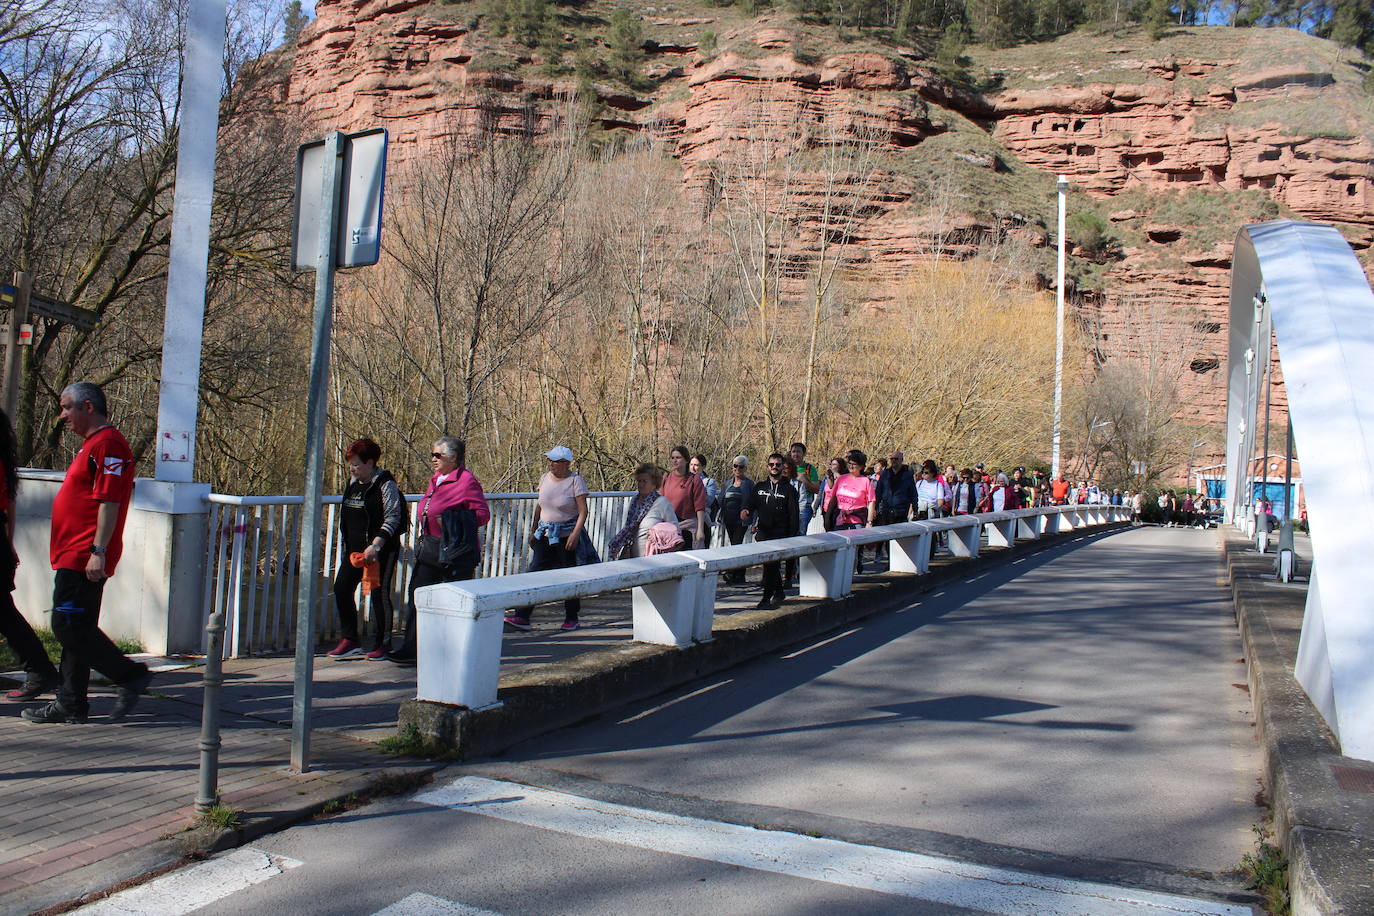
337	224
16	298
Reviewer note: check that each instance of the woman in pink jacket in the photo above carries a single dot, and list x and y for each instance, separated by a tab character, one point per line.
452	486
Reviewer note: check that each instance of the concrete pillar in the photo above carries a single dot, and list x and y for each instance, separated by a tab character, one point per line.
1001	534
1030	527
458	661
910	554
829	574
706	607
964	542
665	613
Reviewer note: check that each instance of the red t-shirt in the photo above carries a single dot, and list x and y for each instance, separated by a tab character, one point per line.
687	496
102	471
1059	489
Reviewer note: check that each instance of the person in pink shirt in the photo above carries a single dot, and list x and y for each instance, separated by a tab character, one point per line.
452	486
853	498
687	495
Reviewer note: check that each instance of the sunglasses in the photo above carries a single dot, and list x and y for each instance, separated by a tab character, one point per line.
737	465
439	455
773	464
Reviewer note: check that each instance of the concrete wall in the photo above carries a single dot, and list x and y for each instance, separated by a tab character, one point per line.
156	597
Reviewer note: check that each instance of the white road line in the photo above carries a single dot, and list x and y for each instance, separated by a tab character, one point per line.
871	868
824	642
675	700
191	888
426	905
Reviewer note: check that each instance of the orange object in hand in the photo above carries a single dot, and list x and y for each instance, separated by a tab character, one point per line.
370	577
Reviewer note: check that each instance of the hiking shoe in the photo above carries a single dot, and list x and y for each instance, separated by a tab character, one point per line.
52	713
127	695
400	658
346	648
570	625
34	688
376	654
518	623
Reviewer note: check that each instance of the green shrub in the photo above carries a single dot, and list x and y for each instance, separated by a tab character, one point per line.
1091	232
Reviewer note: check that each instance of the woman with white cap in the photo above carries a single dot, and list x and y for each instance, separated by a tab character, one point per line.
557	536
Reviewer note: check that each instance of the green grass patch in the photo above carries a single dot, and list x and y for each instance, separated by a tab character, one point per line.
220	817
10	662
1267	872
408	742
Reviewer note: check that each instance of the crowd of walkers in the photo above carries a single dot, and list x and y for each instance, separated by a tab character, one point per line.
672	509
675	509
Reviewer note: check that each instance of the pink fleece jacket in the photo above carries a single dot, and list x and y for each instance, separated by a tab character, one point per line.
457	488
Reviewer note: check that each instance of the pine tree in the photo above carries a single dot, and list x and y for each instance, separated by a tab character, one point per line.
627	47
293	20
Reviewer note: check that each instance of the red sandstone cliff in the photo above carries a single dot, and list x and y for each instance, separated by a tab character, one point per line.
1269	112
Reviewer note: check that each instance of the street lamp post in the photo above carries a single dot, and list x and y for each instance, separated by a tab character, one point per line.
1063	186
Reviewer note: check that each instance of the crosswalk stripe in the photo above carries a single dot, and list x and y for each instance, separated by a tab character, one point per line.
428	905
191	888
871	868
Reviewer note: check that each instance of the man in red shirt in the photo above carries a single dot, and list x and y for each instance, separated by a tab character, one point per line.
1059	489
87	539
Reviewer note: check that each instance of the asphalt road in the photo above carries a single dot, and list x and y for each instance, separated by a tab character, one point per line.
1066	734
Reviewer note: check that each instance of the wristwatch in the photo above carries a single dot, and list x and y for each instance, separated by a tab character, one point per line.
98	551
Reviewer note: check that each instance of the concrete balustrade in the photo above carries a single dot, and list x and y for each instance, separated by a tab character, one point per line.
460	623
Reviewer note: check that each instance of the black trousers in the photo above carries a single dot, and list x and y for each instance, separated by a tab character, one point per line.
346	582
76	624
423	575
24	641
553	556
772	572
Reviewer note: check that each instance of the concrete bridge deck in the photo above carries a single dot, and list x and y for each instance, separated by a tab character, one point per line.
1076	706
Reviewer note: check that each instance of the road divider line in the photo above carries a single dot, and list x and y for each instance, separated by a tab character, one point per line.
675	700
189	889
428	905
824	642
870	868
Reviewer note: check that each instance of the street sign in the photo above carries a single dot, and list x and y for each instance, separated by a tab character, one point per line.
65	312
358	209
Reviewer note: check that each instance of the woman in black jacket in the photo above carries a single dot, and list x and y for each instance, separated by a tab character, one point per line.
373	518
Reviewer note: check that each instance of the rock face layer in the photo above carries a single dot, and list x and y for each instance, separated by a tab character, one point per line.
1269	125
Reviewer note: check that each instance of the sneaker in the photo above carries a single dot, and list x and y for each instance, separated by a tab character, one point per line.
34	688
52	713
376	654
127	695
518	623
401	658
346	648
570	625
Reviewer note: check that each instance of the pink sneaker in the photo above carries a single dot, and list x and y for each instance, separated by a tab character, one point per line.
571	625
376	654
519	623
346	648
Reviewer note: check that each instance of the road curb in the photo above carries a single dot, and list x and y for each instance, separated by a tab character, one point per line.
563	693
1326	831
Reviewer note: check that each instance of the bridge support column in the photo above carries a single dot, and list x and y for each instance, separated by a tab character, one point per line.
459	649
1030	528
910	555
1001	534
665	613
828	575
964	542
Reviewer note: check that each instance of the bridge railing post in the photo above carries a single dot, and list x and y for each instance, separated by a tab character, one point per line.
458	658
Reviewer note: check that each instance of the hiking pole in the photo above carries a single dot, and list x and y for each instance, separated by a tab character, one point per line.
207	795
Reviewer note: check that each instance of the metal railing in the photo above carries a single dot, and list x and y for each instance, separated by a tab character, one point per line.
253	562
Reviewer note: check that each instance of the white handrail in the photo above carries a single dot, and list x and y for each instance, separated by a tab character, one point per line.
460	623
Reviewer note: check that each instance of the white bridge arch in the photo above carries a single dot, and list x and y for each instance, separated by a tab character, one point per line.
1303	282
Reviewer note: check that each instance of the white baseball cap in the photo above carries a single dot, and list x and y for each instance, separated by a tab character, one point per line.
559	453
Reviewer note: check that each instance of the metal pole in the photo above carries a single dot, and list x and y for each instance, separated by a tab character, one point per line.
14	354
1063	186
1288	476
316	410
207	796
184	321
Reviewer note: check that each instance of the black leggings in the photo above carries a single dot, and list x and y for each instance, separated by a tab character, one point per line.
346	582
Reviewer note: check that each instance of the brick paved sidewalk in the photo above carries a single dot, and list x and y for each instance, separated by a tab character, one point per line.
84	807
